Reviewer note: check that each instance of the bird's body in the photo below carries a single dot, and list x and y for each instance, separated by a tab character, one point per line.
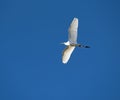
72	41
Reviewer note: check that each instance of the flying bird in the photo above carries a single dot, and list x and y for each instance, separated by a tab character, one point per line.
72	41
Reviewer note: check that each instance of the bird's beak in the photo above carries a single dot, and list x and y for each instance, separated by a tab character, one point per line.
62	43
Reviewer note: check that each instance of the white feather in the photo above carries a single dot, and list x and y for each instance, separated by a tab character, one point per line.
67	53
72	39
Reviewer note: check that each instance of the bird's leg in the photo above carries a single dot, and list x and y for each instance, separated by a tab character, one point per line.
86	46
79	45
83	46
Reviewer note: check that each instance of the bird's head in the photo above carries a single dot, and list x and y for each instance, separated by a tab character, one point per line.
66	43
63	43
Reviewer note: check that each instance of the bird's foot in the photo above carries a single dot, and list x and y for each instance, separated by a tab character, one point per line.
87	46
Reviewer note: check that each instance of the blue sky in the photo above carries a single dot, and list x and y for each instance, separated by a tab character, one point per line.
30	51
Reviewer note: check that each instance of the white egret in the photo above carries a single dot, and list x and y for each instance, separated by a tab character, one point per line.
72	41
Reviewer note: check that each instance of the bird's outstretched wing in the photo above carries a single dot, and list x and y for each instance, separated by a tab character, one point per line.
73	31
67	53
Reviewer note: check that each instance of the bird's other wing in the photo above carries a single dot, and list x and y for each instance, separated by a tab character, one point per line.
67	53
73	31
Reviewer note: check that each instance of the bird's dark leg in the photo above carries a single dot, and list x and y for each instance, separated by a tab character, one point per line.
86	46
83	46
79	45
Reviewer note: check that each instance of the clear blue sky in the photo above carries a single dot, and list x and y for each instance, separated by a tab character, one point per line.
30	51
